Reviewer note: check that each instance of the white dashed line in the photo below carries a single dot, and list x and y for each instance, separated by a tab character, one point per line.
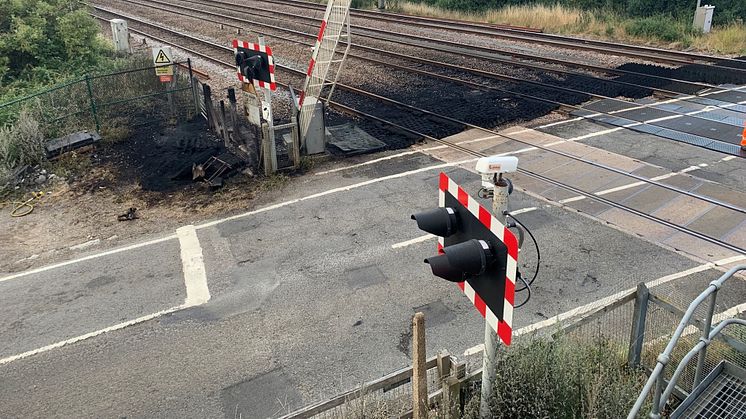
416	240
523	210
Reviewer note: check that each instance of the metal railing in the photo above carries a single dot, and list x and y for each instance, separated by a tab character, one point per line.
656	377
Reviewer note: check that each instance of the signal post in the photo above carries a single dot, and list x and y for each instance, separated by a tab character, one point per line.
478	252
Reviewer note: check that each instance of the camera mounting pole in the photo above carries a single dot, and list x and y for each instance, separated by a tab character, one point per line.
493	167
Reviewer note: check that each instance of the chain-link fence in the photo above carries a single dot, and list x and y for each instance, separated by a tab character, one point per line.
104	103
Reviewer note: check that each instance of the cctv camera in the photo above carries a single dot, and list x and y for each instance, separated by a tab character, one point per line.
491	165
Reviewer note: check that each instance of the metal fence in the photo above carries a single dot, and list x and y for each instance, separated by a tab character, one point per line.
104	102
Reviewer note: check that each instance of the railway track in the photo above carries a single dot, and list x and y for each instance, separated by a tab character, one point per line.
479	79
491	54
221	55
528	35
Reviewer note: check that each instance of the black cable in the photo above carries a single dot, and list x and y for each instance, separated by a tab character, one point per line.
536	245
527	286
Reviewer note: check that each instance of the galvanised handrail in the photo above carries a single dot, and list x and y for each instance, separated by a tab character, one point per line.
688	357
656	377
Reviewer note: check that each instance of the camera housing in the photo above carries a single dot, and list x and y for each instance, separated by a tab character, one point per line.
489	166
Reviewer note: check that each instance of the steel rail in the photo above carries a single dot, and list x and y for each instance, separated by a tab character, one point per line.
605	50
481	73
456	48
571	188
516	32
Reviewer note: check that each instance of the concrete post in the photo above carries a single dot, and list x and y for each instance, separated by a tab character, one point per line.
419	373
120	35
491	344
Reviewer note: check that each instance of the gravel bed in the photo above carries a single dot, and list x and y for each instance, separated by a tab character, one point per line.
694	73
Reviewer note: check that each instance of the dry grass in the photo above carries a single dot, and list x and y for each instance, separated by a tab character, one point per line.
556	18
729	39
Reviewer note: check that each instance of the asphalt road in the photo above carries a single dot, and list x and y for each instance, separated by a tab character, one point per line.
308	298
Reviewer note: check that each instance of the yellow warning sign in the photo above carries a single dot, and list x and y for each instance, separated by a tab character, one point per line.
162	57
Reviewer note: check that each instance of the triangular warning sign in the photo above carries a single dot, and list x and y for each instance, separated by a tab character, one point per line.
162	58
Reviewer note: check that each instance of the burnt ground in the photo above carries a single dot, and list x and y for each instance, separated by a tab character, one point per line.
159	157
141	171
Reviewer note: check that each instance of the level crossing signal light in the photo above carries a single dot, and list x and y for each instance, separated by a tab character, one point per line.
471	252
250	66
255	64
476	251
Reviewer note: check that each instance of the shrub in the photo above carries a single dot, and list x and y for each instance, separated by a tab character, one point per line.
663	28
564	379
21	143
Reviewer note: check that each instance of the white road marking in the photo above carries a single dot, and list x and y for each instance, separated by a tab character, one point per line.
89	335
246	214
610	299
413	241
193	265
334	191
366	163
631	185
523	210
728	158
84	258
195	281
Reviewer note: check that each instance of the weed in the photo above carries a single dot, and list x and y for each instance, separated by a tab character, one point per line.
306	164
21	143
71	164
115	130
610	23
730	39
273	182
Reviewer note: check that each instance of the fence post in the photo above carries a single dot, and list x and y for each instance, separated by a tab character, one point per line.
234	116
419	373
637	335
192	85
221	119
209	111
450	385
296	140
94	110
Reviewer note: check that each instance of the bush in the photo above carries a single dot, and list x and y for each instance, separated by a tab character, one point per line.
45	41
564	379
660	27
21	143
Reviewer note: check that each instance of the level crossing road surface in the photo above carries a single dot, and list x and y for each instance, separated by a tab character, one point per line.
264	312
